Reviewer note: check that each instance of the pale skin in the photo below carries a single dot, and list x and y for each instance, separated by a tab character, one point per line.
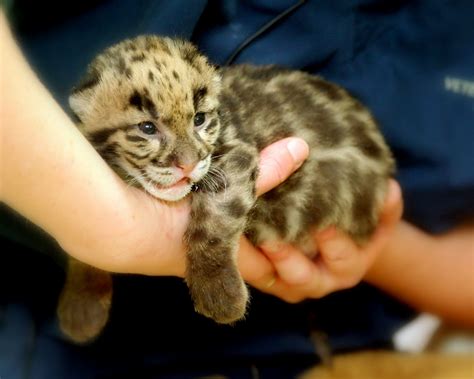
53	176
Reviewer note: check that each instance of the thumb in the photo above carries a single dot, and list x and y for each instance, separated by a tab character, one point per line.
278	161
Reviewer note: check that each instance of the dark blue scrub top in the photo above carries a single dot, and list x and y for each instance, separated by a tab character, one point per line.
412	63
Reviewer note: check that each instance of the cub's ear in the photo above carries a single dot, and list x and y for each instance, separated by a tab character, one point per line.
81	98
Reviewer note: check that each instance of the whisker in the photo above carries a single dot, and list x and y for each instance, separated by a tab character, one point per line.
216	156
132	179
216	174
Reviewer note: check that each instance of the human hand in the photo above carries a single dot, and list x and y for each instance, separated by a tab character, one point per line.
160	227
287	273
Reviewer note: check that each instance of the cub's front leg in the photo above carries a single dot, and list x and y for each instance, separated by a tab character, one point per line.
218	218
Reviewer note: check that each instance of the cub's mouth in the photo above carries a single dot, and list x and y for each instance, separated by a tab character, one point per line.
172	192
178	184
171	185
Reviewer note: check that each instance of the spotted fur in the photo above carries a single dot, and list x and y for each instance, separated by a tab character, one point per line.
167	84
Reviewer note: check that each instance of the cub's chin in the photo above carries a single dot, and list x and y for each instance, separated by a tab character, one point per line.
174	192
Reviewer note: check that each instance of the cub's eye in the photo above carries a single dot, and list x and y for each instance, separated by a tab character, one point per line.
199	118
147	127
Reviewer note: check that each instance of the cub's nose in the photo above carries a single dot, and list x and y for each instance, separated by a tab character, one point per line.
187	168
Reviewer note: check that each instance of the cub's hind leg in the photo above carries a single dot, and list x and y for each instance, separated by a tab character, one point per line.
349	191
337	188
85	301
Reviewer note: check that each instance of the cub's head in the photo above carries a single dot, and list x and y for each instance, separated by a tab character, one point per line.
149	106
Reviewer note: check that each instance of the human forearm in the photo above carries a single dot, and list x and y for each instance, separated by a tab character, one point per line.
52	175
433	274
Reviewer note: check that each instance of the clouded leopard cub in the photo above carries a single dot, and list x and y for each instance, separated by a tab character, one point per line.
170	122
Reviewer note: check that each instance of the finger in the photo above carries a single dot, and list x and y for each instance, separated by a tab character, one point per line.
290	264
279	288
259	272
278	161
393	207
298	276
390	216
285	292
338	249
254	266
342	263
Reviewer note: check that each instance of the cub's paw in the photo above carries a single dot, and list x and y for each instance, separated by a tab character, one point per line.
223	297
83	312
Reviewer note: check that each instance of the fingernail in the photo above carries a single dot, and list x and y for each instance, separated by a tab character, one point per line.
271	247
298	150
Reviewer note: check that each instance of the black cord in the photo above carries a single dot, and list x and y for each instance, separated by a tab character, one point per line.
262	30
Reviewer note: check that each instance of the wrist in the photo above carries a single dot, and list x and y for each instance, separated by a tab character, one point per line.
155	231
101	233
142	236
